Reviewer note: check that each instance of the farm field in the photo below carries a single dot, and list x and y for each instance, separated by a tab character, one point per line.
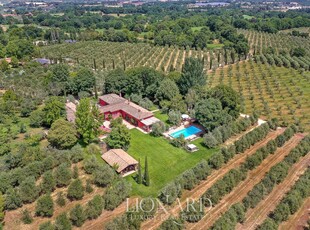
273	91
165	161
111	55
199	190
260	41
301	29
239	192
299	220
257	215
13	218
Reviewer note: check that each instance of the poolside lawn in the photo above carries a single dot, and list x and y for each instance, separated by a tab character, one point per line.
163	117
165	161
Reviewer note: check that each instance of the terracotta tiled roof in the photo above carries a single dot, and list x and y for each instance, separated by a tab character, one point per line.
119	158
117	103
70	111
112	98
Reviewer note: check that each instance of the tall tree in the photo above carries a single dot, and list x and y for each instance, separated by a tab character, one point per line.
229	98
62	135
210	114
53	110
86	123
192	75
146	173
60	73
119	137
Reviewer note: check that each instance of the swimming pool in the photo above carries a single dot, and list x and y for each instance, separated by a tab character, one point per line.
191	130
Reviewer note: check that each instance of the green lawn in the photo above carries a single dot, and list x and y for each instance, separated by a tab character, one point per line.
248	17
165	161
162	116
196	28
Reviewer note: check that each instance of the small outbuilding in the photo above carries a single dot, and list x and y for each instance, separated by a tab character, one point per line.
192	148
122	162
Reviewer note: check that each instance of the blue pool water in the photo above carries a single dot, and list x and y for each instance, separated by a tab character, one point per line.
191	130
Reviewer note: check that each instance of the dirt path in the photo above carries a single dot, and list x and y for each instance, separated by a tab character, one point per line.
197	192
176	59
167	65
245	186
299	220
163	58
256	216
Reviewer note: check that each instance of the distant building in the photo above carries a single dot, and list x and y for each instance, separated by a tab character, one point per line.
43	61
112	105
70	41
70	111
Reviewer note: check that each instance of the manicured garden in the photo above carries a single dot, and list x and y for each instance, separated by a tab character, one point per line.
165	161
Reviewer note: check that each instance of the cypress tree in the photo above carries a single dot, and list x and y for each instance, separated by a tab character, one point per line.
95	65
139	173
146	173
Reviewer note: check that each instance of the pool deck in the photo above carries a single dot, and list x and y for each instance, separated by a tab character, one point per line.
184	126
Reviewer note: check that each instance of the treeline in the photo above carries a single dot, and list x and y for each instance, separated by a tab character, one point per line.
274	176
296	62
222	133
289	204
200	172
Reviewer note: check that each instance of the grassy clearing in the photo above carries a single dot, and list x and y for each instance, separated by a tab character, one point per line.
162	116
248	17
165	161
196	28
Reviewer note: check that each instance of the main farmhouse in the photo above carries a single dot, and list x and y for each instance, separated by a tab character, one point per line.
113	106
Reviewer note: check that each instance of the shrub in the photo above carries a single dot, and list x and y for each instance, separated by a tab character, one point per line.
45	206
75	190
62	222
209	140
158	129
77	215
94	207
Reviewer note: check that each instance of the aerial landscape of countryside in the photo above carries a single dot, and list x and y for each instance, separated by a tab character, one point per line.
166	115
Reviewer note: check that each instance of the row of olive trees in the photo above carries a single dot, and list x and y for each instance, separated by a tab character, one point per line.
53	165
92	210
275	176
234	176
222	133
289	204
